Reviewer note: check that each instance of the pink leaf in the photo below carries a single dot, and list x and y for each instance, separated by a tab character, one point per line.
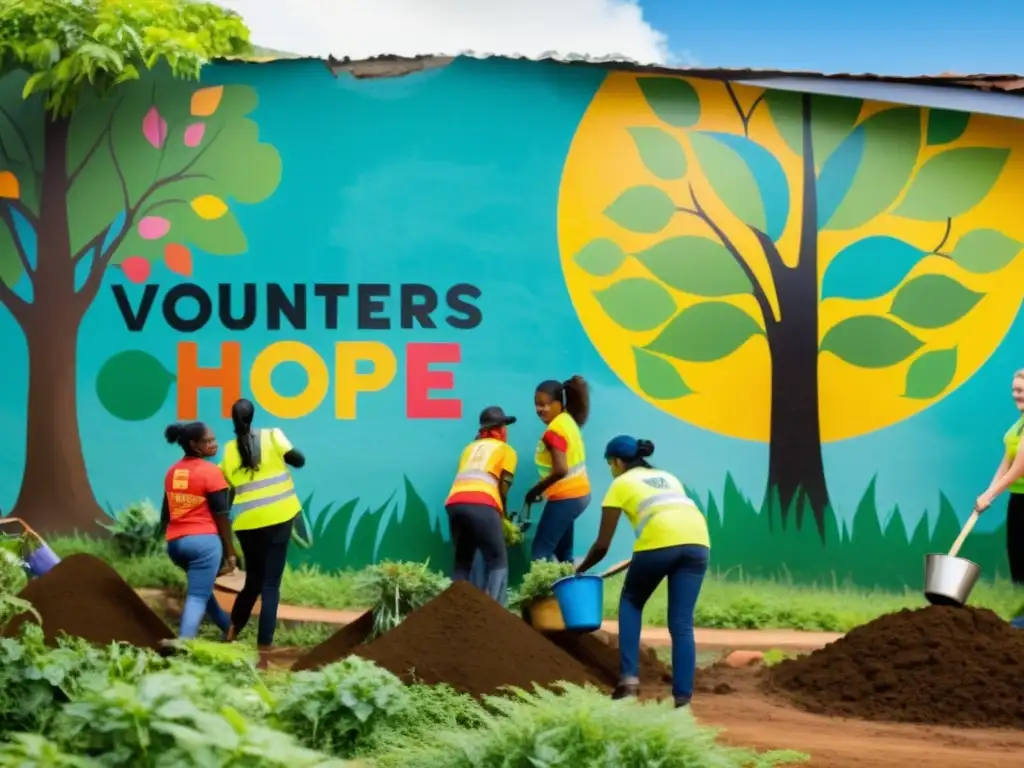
154	227
135	268
154	128
194	134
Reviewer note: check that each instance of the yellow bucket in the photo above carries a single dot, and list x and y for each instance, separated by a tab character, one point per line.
546	616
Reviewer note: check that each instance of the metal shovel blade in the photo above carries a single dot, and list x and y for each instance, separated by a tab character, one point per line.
949	580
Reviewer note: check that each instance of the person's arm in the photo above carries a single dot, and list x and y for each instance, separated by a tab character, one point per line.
165	517
1014	473
294	458
504	485
557	446
219	494
509	462
605	534
1004	465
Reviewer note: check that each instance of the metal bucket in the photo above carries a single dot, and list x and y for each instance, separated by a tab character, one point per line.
949	580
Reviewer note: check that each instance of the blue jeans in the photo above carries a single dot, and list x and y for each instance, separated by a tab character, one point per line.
684	566
200	557
554	537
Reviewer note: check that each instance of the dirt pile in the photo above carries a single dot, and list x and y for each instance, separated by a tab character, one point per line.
84	597
599	653
339	645
465	639
936	665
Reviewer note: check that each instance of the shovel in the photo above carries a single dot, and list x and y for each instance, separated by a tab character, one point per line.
948	579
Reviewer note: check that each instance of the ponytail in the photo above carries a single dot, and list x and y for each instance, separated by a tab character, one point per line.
242	413
577	399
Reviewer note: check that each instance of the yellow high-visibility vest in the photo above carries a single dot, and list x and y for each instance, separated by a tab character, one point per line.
267	496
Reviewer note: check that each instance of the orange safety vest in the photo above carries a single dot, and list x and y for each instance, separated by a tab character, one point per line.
478	478
575	484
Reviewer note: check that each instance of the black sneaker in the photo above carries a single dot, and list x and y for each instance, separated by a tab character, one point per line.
682	701
626	690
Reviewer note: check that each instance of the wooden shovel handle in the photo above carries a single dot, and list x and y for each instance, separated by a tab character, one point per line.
968	527
617	568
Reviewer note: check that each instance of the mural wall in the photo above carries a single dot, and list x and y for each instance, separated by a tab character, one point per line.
808	303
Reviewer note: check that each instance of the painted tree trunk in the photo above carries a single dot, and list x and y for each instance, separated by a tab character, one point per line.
796	472
55	495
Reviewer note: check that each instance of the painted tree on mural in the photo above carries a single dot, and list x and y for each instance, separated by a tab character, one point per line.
94	176
853	169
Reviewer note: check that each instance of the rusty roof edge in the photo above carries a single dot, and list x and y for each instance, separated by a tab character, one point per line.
394	65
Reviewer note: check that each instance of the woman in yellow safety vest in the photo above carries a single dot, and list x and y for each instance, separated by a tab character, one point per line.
671	543
477	502
265	506
1009	476
561	462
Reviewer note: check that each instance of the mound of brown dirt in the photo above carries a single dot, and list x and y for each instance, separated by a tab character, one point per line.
937	665
465	639
337	646
599	652
84	597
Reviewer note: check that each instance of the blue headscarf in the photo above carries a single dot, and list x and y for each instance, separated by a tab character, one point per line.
622	447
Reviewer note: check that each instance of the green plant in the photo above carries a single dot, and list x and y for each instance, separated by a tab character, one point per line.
537	582
579	727
394	590
30	750
512	532
333	708
12	570
135	530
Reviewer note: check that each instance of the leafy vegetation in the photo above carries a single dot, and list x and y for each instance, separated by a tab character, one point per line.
394	590
537	582
134	530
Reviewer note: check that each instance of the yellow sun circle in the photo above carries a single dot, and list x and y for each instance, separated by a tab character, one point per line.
732	395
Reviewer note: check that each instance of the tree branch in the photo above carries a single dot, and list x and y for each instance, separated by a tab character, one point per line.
107	130
759	293
743	115
6	206
16	305
937	250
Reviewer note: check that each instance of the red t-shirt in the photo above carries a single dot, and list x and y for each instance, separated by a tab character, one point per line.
186	485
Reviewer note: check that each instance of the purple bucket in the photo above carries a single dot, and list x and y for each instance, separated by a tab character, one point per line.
41	561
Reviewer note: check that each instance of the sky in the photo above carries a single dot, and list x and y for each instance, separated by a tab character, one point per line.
899	37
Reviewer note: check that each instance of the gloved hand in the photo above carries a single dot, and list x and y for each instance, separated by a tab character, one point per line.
534	496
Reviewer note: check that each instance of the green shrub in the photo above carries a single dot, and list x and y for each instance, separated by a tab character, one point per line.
537	583
580	727
334	708
135	530
12	571
30	750
394	590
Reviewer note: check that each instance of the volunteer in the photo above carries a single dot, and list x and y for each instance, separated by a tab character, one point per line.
194	520
265	506
477	503
561	461
671	544
1009	476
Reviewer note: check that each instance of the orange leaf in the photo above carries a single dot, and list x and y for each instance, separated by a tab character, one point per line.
178	259
206	100
9	186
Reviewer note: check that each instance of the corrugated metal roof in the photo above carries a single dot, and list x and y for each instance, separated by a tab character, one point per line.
387	65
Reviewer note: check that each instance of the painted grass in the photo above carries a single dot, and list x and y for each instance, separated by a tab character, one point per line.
727	601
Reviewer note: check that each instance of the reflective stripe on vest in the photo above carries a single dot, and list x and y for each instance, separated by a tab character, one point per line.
653	506
476	476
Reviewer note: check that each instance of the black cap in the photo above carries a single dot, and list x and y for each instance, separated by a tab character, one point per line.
494	416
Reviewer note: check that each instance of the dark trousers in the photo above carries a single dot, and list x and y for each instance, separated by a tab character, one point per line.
1015	537
684	567
264	554
555	530
477	528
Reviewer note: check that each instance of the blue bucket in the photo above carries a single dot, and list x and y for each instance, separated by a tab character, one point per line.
41	561
581	601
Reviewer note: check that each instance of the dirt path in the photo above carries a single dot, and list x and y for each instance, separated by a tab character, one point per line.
751	719
656	637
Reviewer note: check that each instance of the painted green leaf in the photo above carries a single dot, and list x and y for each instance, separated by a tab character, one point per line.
643	209
133	385
933	301
930	374
660	152
672	99
636	303
696	265
952	182
705	332
600	257
832	119
657	377
985	250
22	138
946	125
746	177
853	191
869	341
